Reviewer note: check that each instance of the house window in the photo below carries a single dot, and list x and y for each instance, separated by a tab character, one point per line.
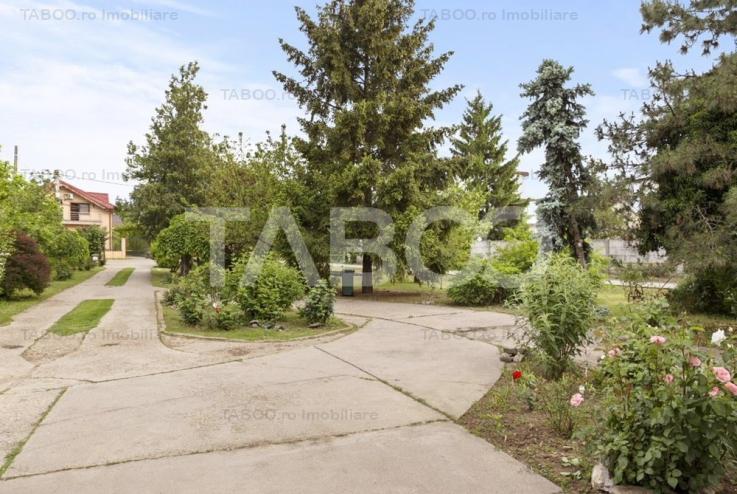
79	209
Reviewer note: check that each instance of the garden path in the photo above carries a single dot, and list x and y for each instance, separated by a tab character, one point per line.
370	412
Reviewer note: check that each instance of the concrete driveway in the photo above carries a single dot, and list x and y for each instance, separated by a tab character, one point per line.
373	411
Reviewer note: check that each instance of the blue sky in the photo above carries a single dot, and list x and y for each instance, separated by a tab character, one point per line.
74	92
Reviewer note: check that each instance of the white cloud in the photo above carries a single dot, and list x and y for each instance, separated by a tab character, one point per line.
74	93
631	76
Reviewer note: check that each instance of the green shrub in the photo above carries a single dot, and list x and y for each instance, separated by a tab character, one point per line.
62	269
670	423
319	303
519	253
95	237
221	316
275	289
711	291
190	294
599	266
558	298
69	251
191	309
26	267
480	284
7	240
184	287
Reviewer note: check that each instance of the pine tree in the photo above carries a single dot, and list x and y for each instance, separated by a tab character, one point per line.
707	20
480	155
365	90
555	120
173	164
678	156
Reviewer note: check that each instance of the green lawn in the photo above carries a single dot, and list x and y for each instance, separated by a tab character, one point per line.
25	300
294	327
615	299
83	317
405	292
121	277
160	277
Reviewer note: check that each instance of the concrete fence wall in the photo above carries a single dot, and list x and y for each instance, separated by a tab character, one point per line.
615	248
623	251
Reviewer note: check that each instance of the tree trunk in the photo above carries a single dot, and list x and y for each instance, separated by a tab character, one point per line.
367	275
185	265
578	249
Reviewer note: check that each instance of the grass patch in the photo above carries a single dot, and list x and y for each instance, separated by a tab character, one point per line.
83	317
161	277
409	292
27	299
121	277
294	327
615	299
406	292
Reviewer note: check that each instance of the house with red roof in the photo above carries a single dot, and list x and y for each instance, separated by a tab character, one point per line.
83	208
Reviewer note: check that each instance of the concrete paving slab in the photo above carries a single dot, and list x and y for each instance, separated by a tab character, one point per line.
462	320
286	397
387	310
447	371
20	410
434	458
126	342
12	367
294	420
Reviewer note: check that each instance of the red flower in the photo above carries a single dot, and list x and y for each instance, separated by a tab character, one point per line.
517	375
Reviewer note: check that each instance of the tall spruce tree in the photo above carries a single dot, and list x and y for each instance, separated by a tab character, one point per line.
480	156
365	89
555	120
172	166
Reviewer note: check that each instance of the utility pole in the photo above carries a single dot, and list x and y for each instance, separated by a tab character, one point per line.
15	159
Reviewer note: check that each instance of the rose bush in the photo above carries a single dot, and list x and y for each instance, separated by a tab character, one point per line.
671	414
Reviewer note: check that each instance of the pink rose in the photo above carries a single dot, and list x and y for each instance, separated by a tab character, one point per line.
658	340
731	387
695	361
614	352
715	392
722	374
668	378
576	400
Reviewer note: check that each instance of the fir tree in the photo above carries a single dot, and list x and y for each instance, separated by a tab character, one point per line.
172	166
480	155
364	87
